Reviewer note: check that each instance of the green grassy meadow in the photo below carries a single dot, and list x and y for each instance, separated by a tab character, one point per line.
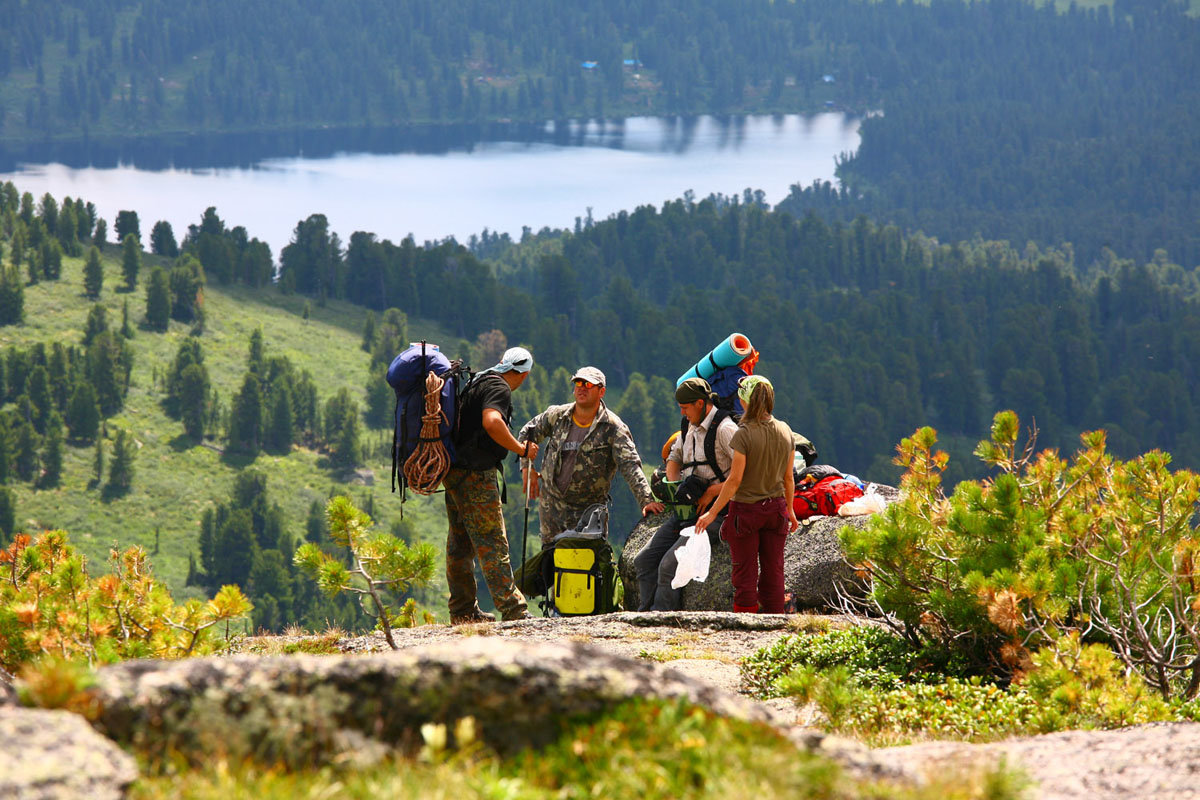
176	478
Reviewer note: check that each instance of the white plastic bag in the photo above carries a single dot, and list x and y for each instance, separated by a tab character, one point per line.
869	503
694	558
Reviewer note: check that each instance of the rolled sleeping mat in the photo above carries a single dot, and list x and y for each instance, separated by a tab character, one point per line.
728	353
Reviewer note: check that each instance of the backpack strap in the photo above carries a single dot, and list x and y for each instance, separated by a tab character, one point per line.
710	443
396	446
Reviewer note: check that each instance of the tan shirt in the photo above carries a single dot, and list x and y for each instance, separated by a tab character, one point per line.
692	449
768	449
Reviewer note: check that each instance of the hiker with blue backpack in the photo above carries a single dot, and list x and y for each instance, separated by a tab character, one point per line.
585	445
696	466
759	492
473	510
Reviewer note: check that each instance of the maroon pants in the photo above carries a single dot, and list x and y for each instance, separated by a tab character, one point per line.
757	533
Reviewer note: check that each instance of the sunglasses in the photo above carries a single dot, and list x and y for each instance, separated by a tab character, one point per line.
582	384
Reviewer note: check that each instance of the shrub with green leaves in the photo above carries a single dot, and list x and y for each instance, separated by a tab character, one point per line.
871	656
51	606
1048	546
871	684
383	566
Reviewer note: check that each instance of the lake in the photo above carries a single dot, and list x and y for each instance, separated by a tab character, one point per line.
438	183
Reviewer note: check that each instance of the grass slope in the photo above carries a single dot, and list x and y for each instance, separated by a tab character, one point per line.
175	477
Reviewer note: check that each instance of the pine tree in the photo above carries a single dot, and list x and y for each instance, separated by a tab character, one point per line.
8	515
6	453
98	461
12	297
193	399
27	451
282	429
120	474
347	450
83	412
97	323
193	574
256	359
38	389
100	237
158	300
131	260
93	275
162	240
52	452
126	326
368	337
246	416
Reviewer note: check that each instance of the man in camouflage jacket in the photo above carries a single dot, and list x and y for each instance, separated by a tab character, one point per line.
584	446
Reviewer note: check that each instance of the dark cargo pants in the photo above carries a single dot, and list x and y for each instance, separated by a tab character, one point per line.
655	564
477	530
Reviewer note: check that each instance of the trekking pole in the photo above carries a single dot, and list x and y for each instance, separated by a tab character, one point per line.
525	478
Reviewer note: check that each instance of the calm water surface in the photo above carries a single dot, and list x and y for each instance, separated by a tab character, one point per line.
433	192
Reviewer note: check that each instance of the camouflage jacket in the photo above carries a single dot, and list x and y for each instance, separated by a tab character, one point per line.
607	447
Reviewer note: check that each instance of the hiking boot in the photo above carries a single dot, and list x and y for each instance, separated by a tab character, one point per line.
474	618
522	615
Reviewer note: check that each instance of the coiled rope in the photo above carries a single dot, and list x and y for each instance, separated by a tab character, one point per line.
429	462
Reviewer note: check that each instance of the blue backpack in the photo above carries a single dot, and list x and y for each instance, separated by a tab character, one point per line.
724	383
406	375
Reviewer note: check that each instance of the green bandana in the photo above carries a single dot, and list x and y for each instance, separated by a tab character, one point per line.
693	389
746	387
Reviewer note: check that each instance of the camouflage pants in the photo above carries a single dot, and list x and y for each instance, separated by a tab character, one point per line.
477	530
556	518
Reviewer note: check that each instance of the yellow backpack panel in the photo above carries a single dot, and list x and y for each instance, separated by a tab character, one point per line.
575	581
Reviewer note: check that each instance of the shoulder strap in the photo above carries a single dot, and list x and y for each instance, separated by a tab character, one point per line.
710	442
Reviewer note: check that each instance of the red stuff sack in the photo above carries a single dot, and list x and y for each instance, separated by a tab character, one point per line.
823	498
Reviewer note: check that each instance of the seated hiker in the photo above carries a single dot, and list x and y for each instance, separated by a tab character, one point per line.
585	445
698	461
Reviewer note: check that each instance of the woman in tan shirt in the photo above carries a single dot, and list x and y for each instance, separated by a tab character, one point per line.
758	491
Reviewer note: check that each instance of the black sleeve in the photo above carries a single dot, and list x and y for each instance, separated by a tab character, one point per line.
495	394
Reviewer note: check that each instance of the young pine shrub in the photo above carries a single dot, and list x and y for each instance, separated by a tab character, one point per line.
50	606
382	565
1047	547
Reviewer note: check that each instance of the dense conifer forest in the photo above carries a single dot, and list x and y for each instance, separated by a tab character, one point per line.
1002	118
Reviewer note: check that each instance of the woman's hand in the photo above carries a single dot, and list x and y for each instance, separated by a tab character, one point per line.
793	523
705	520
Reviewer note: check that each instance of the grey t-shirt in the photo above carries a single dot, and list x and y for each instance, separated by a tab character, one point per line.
570	448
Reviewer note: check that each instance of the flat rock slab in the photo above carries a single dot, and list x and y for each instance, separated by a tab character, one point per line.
55	755
306	709
1160	761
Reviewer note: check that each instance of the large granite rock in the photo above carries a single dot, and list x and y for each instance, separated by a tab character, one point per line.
303	710
55	755
812	564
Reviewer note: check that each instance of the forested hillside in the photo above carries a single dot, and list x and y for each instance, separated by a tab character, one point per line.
868	333
1001	118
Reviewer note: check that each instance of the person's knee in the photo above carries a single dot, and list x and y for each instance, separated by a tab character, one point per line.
668	567
643	562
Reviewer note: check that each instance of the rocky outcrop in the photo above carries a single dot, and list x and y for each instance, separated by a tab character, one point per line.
55	755
1149	762
812	564
303	710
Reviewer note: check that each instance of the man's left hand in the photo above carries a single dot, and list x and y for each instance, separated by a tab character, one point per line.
652	508
710	494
